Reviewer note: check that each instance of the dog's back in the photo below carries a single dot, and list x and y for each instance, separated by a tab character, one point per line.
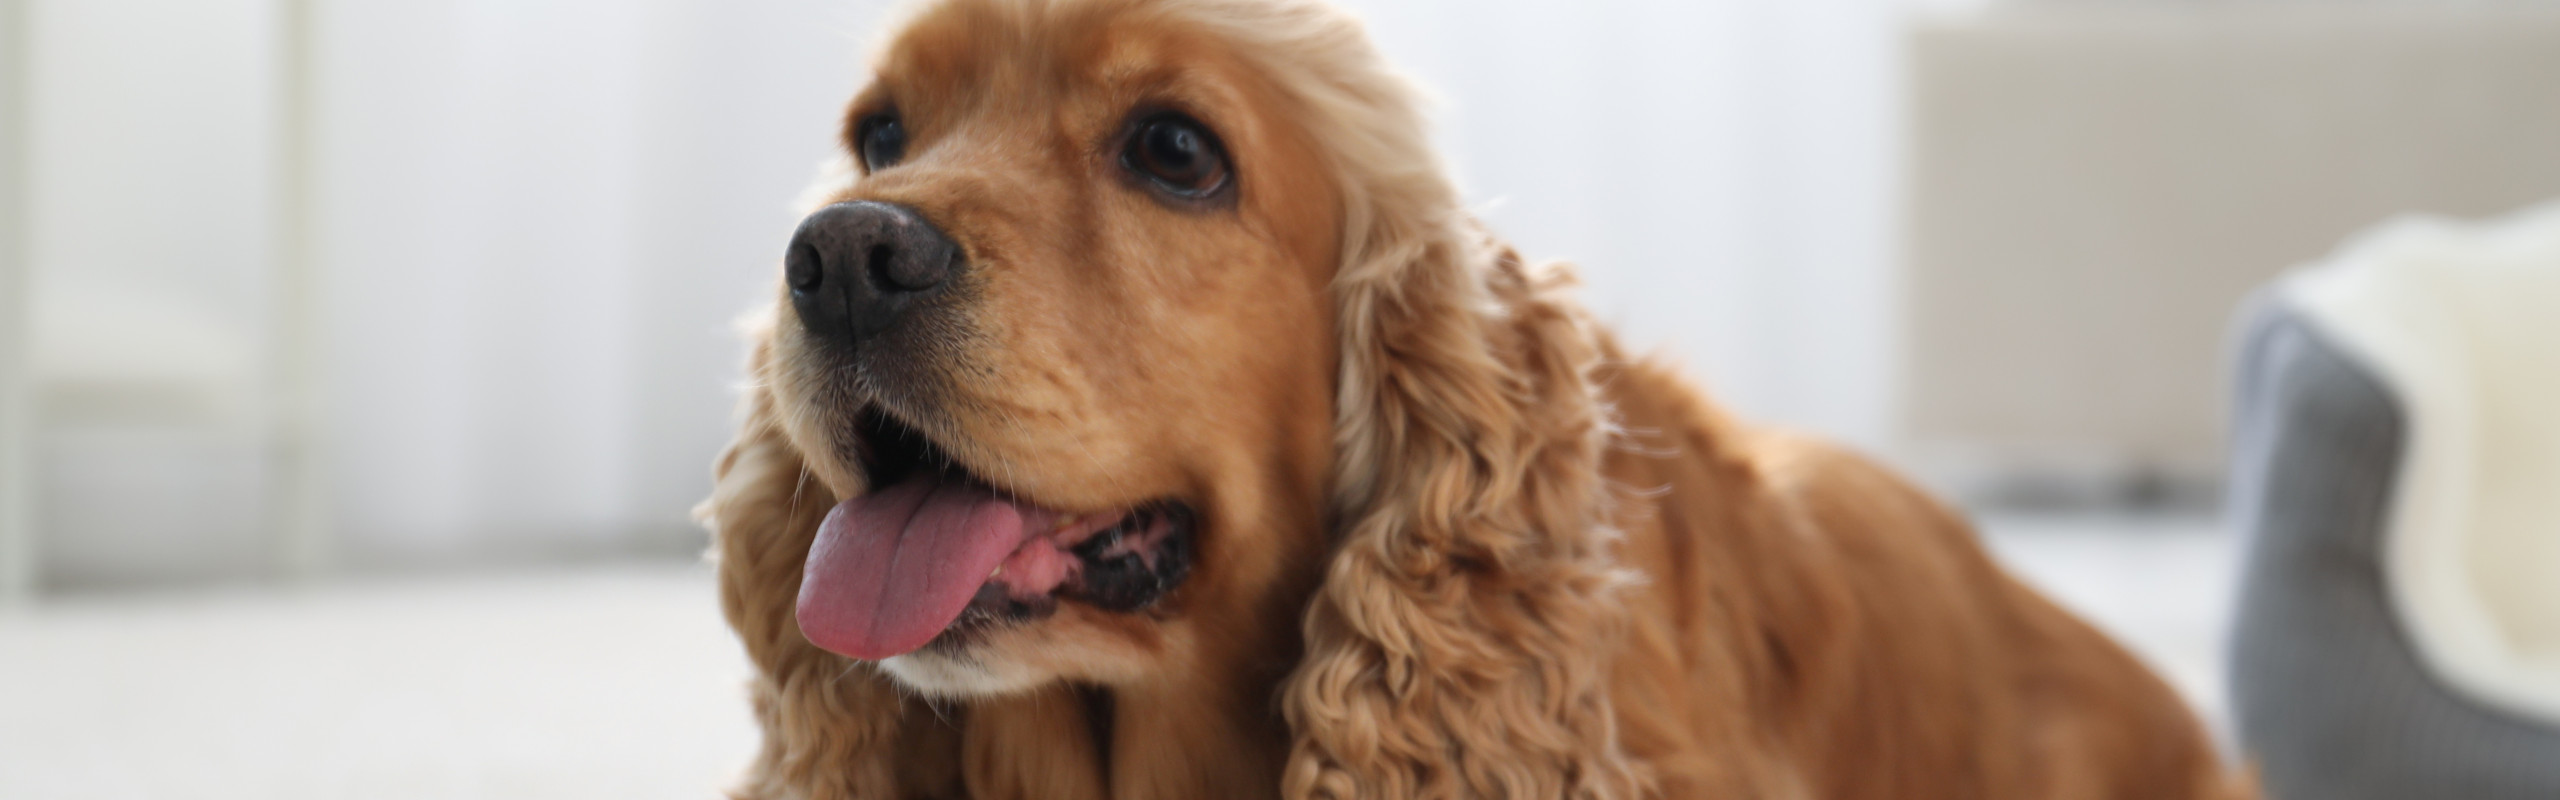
1808	624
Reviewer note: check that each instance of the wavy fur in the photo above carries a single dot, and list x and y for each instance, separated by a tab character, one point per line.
1458	647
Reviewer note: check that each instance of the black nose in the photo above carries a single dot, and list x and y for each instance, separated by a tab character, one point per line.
854	268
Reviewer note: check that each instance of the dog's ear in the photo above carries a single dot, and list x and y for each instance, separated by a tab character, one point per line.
1457	645
832	728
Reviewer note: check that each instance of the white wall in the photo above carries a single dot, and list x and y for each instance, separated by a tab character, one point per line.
1722	170
537	218
17	450
543	217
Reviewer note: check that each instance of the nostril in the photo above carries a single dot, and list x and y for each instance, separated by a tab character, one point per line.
879	263
803	270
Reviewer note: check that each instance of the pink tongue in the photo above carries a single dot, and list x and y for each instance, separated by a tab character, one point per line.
891	569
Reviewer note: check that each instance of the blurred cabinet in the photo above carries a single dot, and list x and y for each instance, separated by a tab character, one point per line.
2091	190
150	291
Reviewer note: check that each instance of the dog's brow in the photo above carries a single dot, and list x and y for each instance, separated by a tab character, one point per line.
1135	64
1130	72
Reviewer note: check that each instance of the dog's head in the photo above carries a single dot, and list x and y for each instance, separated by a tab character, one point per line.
1065	343
1149	349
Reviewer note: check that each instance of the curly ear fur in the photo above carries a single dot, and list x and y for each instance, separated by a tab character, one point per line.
1456	647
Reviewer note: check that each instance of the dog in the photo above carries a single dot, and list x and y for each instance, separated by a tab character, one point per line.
1144	417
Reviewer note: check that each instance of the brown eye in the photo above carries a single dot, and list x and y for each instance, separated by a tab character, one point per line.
1178	155
883	141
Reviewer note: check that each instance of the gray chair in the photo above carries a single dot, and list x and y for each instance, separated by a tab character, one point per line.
2336	692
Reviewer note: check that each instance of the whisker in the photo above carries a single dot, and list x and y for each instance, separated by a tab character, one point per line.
797	487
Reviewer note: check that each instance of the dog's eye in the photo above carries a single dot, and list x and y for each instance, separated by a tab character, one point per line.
882	139
1178	155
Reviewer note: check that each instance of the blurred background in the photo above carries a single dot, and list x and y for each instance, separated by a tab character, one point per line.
359	362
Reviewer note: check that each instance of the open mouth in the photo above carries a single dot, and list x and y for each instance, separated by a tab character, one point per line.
932	551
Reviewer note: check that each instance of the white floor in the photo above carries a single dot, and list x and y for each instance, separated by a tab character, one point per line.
2164	587
621	682
606	683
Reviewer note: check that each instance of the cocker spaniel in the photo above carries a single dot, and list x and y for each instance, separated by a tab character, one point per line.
1144	417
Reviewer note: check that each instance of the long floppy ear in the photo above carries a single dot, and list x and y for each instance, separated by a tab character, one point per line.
833	729
1458	646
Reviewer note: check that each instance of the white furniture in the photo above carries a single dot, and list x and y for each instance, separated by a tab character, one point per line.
143	325
2462	323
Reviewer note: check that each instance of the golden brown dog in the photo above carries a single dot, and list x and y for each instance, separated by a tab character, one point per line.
1147	420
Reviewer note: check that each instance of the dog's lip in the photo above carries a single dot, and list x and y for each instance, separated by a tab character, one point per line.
965	460
1074	529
